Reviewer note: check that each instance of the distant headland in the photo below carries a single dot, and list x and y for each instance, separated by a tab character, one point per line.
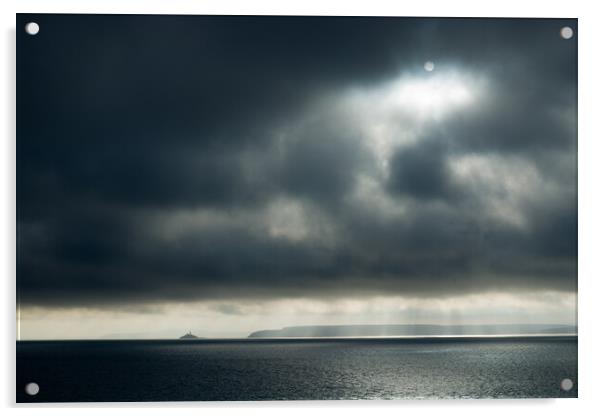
414	330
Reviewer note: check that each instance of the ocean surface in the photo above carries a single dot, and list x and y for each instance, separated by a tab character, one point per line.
294	369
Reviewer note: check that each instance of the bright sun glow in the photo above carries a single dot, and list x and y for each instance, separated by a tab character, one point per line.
394	113
419	97
429	97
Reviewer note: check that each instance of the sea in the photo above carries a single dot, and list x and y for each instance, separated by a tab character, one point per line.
298	369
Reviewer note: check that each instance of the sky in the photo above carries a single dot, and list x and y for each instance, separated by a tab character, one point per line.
226	174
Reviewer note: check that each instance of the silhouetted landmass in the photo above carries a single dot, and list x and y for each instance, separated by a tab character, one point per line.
189	335
412	330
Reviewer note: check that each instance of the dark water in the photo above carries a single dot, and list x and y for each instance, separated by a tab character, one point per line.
296	369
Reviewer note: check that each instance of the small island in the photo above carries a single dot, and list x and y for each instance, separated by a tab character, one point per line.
189	335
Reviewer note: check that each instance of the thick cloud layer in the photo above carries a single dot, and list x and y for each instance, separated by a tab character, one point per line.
169	158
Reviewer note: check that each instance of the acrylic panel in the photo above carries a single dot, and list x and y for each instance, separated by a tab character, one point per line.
224	208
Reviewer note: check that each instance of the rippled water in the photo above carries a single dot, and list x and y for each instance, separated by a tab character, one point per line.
295	369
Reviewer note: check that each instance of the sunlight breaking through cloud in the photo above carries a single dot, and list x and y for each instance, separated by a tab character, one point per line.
238	318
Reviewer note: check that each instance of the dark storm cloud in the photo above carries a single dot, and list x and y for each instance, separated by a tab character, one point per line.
421	171
321	161
154	154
